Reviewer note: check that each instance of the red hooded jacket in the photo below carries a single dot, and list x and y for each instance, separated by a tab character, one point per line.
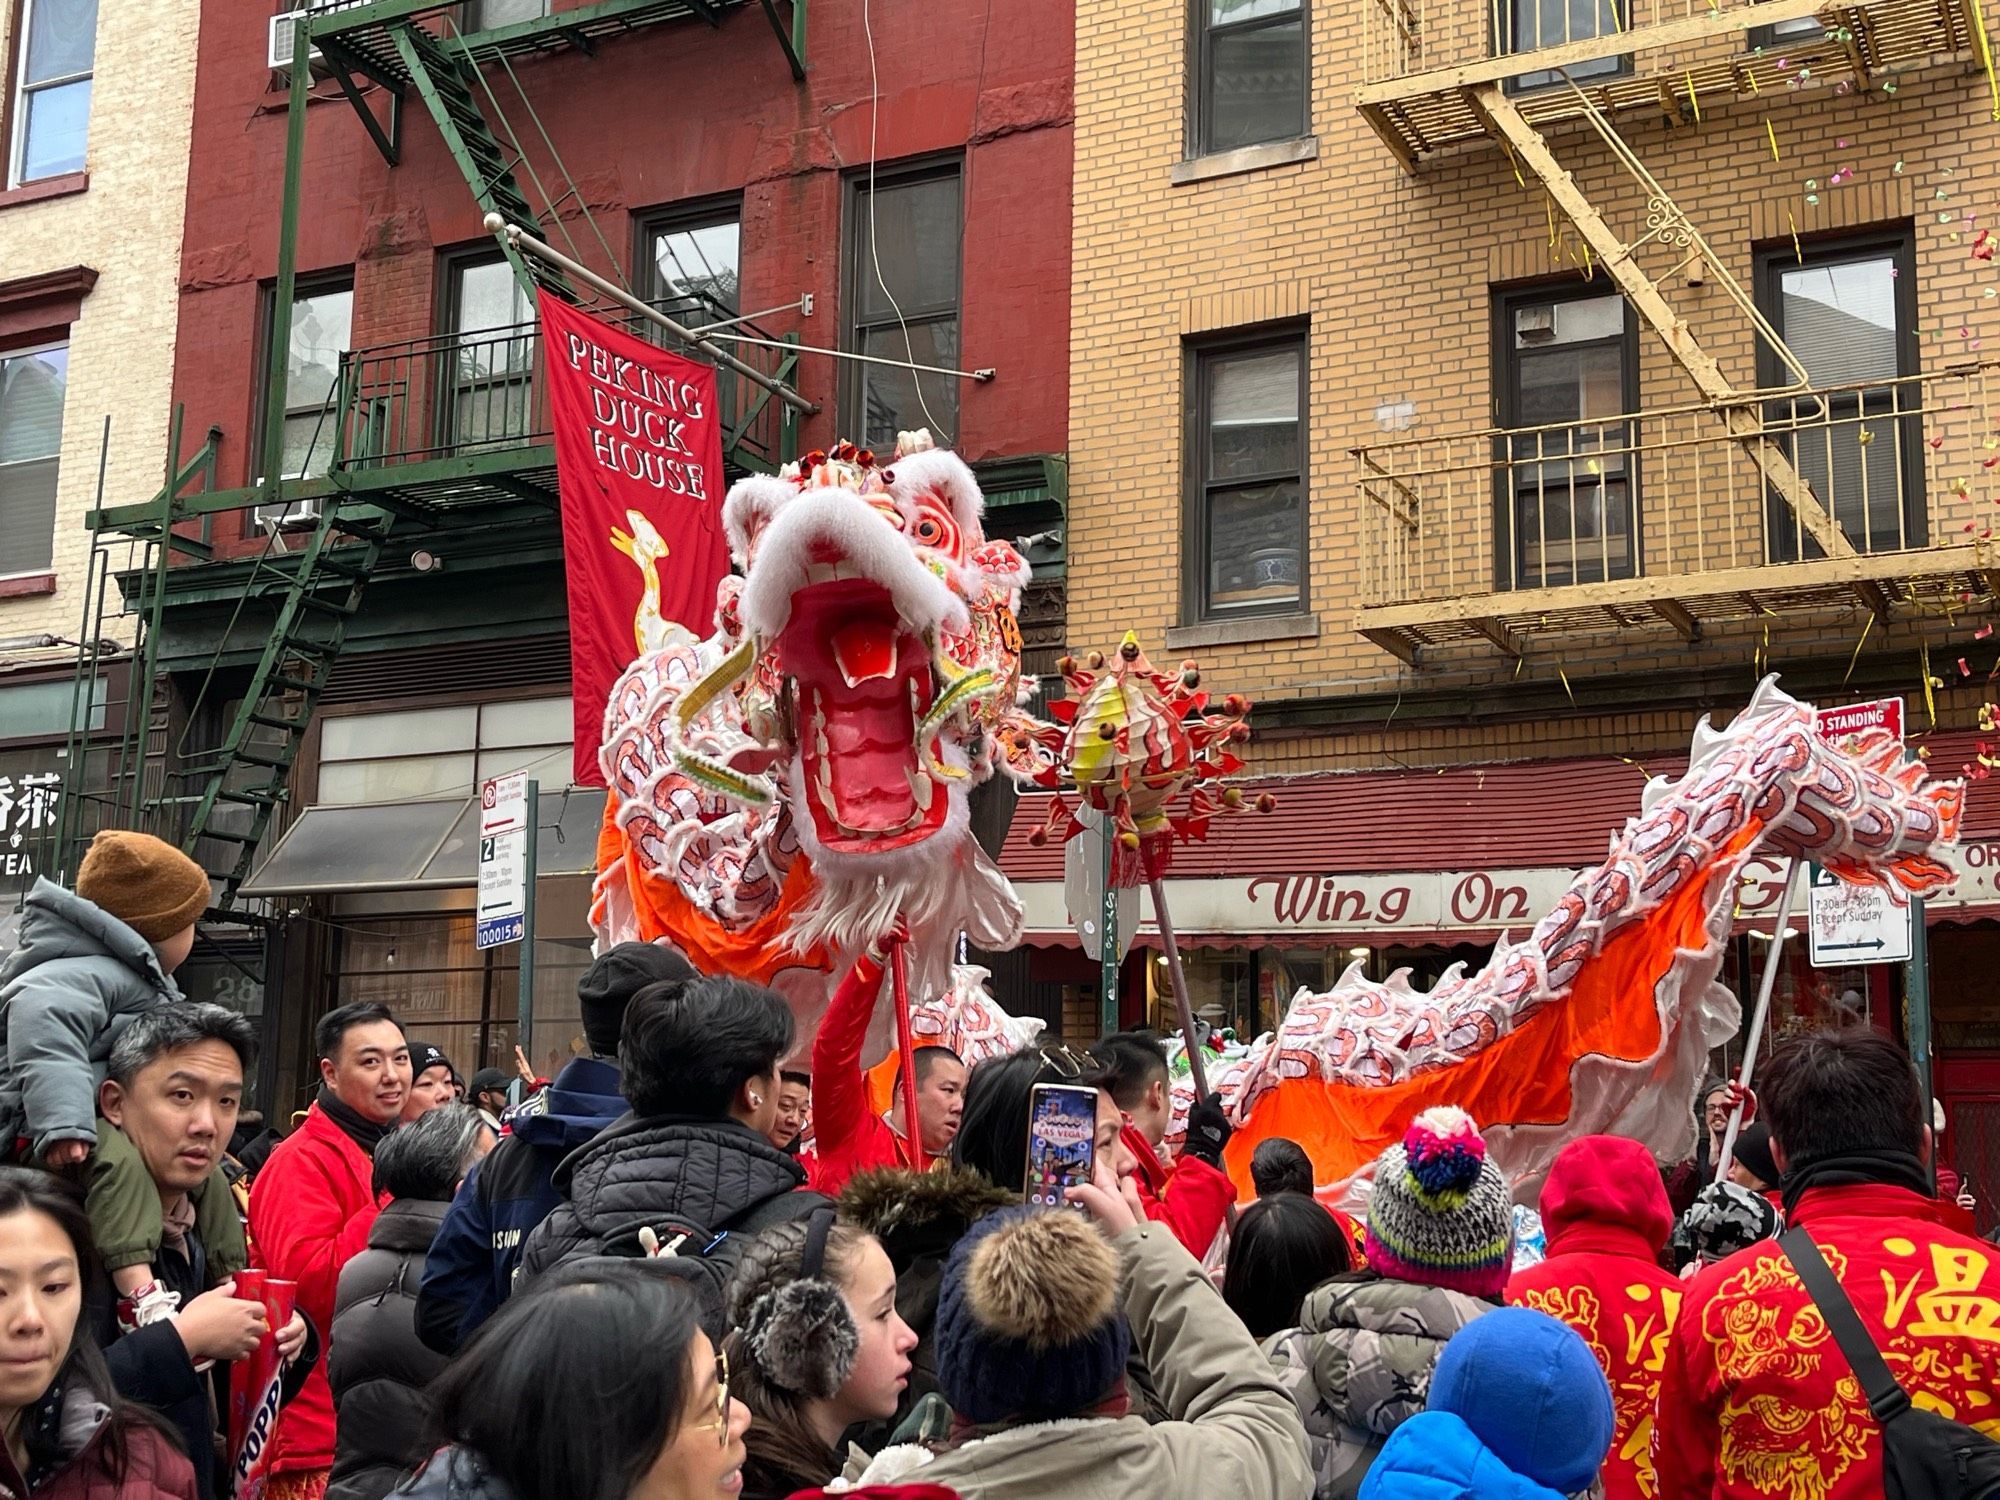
1191	1198
1607	1216
310	1212
1757	1399
848	1136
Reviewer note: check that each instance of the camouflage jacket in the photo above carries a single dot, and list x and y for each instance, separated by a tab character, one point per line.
1359	1365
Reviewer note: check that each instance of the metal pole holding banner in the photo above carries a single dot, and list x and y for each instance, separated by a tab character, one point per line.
1178	979
522	240
1756	1036
524	1015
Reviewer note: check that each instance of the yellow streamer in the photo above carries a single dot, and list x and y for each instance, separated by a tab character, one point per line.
1694	99
1797	253
1985	55
1866	626
1924	664
1772	136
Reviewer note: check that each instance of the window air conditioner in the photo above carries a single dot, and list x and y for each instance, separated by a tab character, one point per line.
281	37
281	520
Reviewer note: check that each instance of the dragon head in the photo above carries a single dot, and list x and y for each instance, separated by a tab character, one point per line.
884	622
788	788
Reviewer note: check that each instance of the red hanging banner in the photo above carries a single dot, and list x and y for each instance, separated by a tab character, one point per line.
639	464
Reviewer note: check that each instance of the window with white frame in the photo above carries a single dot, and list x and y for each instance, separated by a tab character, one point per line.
51	115
31	412
322	331
441	752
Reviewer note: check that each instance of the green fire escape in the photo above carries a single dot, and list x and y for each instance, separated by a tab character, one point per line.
426	437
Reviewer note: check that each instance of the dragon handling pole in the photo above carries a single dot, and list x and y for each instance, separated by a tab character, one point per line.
906	1052
1756	1036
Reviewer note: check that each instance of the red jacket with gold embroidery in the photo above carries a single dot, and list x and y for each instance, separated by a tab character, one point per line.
1607	1216
1757	1399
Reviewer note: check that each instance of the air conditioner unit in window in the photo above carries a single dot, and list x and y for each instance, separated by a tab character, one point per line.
284	522
282	36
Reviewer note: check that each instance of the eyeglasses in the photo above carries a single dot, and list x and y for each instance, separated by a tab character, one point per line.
721	1422
1069	1062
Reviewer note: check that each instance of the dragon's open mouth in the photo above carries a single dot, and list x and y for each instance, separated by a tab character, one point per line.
861	685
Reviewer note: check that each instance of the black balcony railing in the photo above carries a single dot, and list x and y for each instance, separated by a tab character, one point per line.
453	396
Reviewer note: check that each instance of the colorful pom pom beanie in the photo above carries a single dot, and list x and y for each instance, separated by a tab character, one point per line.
1440	1214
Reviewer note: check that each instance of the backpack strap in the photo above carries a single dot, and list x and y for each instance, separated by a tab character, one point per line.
1886	1397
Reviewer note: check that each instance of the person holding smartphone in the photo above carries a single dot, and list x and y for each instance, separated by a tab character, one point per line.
1039	1311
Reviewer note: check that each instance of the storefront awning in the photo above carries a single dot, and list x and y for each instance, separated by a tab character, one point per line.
417	845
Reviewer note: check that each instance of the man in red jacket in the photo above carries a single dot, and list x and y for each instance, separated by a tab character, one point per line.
1607	1216
313	1205
848	1136
1191	1197
1757	1399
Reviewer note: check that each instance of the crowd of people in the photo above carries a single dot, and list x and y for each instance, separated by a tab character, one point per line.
699	1262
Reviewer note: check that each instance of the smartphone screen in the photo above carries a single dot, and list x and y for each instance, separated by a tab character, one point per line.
1062	1141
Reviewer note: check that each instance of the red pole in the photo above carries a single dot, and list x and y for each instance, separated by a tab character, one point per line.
906	1052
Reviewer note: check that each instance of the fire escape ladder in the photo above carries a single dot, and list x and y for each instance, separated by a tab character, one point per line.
448	81
1739	411
245	781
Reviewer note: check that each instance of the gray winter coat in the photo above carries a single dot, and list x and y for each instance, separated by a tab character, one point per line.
1231	1432
74	984
1359	1366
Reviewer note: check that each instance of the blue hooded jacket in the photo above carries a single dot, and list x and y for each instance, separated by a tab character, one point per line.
472	1262
1435	1456
1518	1409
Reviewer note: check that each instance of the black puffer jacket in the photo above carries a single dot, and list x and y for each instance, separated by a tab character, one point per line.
379	1369
702	1182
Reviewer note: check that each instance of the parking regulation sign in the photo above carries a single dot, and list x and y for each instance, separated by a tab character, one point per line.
1856	924
503	860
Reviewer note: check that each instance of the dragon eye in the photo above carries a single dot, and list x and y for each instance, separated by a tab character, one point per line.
929	531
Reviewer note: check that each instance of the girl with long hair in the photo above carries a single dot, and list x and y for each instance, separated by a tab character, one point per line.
817	1347
68	1435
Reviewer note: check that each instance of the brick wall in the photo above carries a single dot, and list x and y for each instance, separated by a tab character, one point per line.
1395	276
127	227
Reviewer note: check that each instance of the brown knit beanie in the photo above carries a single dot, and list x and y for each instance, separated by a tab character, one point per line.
144	882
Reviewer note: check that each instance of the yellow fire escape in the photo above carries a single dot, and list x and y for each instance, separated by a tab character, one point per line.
1435	90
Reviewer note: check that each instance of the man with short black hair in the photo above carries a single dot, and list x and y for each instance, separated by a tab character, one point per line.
794	1110
848	1136
692	1162
1279	1165
170	1102
1191	1197
315	1202
471	1267
1757	1398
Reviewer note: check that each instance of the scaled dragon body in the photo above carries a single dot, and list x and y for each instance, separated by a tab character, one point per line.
1602	1019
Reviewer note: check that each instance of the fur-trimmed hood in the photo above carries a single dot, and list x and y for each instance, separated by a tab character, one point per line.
920	1214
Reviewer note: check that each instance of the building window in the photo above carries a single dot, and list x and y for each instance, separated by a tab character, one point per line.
1847	311
1530	25
692	264
441	752
1566	509
484	15
1246	467
52	95
322	331
31	413
491	357
1252	73
902	279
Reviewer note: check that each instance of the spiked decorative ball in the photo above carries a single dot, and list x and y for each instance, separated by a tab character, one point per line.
1440	1214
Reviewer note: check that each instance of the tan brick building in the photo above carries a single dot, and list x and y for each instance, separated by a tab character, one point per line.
1363	420
96	117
